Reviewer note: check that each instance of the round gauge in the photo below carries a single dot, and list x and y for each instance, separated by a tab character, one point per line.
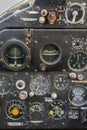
77	95
16	55
75	13
78	61
61	82
57	110
36	111
15	109
50	54
6	84
36	107
40	85
77	44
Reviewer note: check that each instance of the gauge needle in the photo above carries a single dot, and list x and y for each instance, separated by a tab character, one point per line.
38	88
74	13
78	58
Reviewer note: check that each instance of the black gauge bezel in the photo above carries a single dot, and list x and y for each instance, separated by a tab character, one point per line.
76	70
60	88
54	62
9	77
33	77
37	103
20	44
18	102
64	113
69	95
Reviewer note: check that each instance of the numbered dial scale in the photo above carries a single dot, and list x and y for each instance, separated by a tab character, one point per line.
36	110
77	95
40	84
78	61
57	110
15	109
61	82
6	84
75	13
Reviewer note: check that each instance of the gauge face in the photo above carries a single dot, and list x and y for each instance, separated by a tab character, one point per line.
36	110
50	54
40	85
77	95
57	110
15	109
77	44
75	13
16	55
6	84
36	107
61	82
78	61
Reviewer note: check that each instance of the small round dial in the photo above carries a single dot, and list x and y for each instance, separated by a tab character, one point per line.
77	44
78	61
50	54
15	55
40	85
36	107
61	82
36	111
57	110
6	84
15	109
75	13
77	95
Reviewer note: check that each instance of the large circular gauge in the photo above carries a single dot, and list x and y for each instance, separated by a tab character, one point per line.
40	85
6	84
75	13
15	109
78	61
50	54
57	110
77	95
15	55
61	82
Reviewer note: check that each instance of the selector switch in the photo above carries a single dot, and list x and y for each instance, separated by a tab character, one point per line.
52	17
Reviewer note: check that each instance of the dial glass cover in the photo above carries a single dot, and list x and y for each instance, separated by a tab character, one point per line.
16	55
6	84
61	82
50	54
78	61
57	110
40	85
15	109
77	95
